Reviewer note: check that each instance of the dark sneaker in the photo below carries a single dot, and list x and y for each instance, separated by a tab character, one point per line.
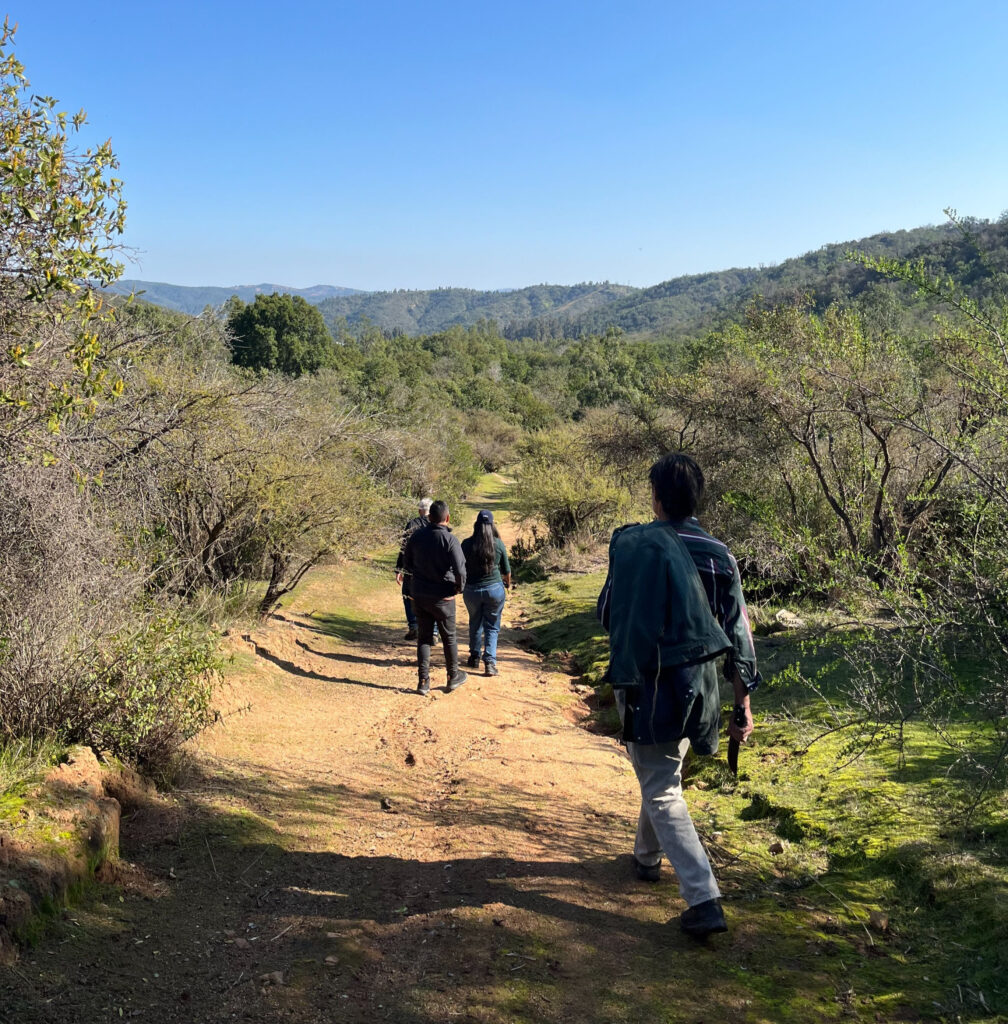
472	661
704	919
491	668
647	872
411	635
456	681
423	688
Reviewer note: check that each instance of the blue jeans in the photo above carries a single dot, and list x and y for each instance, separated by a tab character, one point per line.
485	606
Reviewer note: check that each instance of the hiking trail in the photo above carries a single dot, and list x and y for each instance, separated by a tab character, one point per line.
344	849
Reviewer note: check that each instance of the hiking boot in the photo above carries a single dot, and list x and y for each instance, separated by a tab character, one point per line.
456	681
647	872
703	919
423	688
411	634
472	661
491	668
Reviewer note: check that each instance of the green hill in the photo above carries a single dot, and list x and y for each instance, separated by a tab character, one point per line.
424	312
679	308
689	306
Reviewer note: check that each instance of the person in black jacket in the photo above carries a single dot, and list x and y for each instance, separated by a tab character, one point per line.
433	560
419	522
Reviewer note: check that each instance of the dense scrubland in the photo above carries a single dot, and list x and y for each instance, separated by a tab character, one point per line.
164	475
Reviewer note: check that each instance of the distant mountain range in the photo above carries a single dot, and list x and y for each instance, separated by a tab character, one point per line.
682	307
194	300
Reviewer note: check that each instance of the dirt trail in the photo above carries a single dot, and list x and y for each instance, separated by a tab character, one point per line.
347	850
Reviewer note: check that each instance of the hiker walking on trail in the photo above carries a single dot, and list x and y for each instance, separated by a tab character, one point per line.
672	603
488	577
433	561
419	522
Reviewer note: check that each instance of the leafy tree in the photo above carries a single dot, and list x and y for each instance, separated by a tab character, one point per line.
280	332
60	214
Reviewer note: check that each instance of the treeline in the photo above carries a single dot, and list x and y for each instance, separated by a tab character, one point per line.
689	307
194	299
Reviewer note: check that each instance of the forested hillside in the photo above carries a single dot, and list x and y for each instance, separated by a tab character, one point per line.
689	306
681	308
422	312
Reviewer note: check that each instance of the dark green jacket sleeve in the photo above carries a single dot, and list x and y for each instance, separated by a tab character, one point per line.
505	565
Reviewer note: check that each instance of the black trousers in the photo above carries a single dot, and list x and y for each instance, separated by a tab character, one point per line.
439	611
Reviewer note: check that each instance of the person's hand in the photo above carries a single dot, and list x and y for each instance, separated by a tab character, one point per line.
399	578
741	732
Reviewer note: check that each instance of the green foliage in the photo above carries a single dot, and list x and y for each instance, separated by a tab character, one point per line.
494	441
427	312
152	689
564	491
60	212
21	763
280	332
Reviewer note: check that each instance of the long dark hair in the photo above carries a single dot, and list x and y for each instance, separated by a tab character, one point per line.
484	551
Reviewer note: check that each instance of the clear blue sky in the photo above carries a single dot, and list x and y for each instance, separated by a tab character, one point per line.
416	144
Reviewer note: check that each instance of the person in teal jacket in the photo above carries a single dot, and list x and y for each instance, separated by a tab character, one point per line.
672	604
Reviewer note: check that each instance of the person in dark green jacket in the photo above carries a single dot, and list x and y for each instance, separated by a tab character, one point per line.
488	575
672	604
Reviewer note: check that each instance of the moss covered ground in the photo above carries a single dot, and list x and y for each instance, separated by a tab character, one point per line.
862	871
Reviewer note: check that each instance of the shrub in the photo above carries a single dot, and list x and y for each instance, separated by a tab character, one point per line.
152	690
561	486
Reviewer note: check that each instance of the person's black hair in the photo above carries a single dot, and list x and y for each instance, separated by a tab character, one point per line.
678	484
438	512
484	551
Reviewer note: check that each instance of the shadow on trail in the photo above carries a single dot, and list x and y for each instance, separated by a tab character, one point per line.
359	659
348	629
502	501
307	673
563	934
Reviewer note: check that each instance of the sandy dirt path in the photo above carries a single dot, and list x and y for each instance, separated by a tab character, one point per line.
345	849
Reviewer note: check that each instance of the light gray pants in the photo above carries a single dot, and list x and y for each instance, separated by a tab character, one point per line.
665	823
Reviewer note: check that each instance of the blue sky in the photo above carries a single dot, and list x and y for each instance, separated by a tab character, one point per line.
421	144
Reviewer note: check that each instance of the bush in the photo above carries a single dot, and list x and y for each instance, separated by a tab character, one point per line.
562	487
83	657
494	441
153	690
